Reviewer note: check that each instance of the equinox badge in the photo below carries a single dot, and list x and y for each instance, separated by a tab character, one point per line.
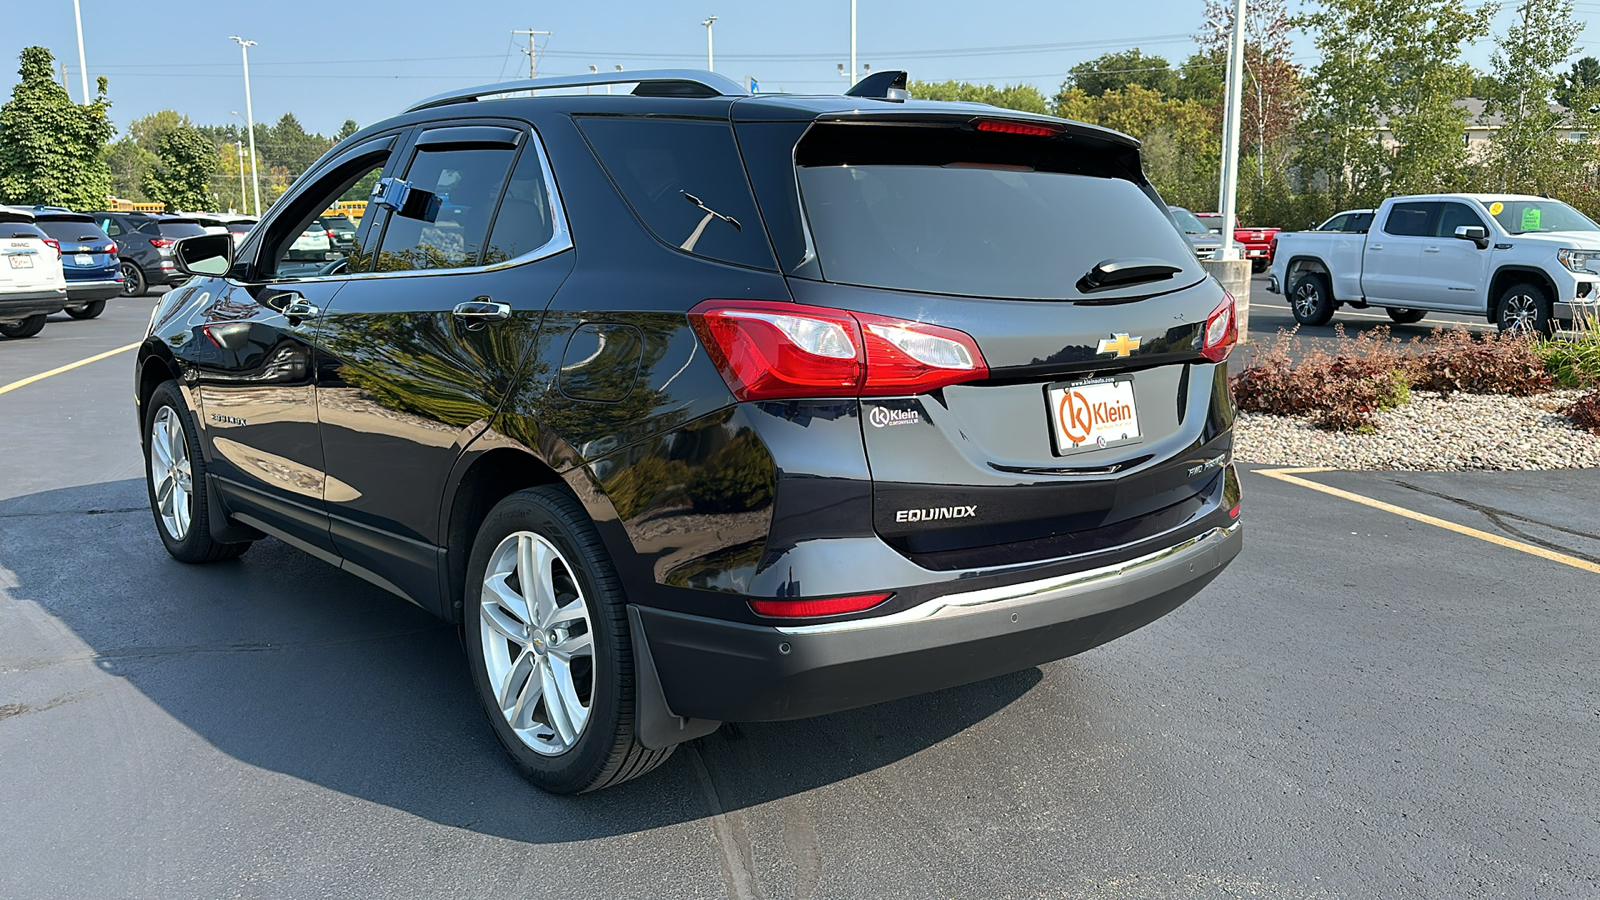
1120	344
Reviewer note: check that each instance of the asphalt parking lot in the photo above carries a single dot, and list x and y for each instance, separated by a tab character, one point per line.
1368	703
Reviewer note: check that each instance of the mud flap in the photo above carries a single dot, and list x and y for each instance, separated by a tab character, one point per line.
657	727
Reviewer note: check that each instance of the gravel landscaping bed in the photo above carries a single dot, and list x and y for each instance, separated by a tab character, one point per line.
1465	431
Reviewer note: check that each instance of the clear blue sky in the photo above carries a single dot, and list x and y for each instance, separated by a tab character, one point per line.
327	62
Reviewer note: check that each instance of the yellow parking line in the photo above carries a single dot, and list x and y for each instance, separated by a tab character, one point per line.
66	368
1288	475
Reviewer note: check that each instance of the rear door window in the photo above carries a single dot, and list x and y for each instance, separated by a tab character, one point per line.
1359	223
526	219
468	183
684	179
954	211
1454	215
1337	223
1411	219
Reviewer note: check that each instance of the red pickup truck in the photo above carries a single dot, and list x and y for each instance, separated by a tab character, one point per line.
1255	243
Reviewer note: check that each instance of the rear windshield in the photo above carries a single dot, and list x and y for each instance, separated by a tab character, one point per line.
73	230
173	229
1188	221
979	215
337	222
20	230
241	227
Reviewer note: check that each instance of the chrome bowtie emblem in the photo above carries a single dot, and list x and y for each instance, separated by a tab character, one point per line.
1120	344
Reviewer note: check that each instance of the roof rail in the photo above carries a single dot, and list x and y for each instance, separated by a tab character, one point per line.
688	83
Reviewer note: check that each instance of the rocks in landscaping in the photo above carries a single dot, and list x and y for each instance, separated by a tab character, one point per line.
1432	432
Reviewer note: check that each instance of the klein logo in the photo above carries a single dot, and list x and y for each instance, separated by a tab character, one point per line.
1120	344
883	417
1079	417
227	420
935	513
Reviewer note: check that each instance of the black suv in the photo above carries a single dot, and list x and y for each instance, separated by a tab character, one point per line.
692	406
144	247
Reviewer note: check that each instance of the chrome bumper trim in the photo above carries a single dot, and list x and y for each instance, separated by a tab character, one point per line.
1043	590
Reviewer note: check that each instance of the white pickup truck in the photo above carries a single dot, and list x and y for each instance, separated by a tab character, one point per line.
1522	262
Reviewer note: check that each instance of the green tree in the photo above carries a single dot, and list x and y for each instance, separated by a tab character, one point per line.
129	165
1200	78
348	128
1529	153
1114	71
1271	93
182	180
1584	76
147	131
1025	98
49	146
1182	147
1483	86
289	145
1395	65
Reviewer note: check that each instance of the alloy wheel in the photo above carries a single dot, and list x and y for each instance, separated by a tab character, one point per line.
538	642
1520	313
132	280
1306	301
170	473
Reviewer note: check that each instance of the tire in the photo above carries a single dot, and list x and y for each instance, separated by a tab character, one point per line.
133	280
1311	299
87	311
585	612
27	328
1406	316
1524	308
1257	266
171	460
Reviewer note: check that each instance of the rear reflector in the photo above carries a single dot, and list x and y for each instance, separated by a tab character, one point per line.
1234	513
1221	331
768	350
1002	126
830	606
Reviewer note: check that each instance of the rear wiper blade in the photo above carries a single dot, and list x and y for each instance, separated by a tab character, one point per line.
1112	273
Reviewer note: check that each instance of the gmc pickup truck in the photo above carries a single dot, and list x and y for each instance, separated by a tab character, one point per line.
1524	263
1255	244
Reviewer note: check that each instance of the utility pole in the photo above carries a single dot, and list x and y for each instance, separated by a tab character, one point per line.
532	51
64	79
711	62
83	69
1229	191
853	69
250	118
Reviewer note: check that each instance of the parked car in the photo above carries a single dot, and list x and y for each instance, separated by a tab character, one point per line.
341	233
878	460
238	228
1212	221
313	244
1255	244
144	247
1201	240
32	283
1525	263
89	258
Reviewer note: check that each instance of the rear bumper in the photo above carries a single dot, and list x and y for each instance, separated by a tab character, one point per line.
89	291
22	304
719	670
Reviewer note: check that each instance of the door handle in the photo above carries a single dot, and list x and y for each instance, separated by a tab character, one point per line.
480	312
300	308
1374	246
1430	249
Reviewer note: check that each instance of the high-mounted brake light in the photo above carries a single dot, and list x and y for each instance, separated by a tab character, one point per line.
1004	126
1221	331
769	350
830	606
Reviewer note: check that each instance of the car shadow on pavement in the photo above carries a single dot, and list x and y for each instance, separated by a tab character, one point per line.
287	664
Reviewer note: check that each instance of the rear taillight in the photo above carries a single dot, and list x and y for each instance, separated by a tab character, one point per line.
112	248
331	238
159	243
1221	331
829	606
769	350
55	245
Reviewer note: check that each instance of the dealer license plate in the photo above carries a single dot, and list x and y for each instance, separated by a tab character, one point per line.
1093	415
21	261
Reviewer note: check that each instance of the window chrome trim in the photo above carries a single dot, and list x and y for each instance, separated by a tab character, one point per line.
1043	590
560	239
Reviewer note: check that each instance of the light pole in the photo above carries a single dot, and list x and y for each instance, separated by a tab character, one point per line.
853	68
1229	191
250	118
242	198
710	60
83	68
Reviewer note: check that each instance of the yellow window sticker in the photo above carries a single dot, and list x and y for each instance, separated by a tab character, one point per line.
1496	208
1531	216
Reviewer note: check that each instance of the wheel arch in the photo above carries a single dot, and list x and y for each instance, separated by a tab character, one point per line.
1302	264
153	369
1505	276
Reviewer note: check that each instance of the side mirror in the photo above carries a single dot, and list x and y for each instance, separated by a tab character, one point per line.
204	254
1474	233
